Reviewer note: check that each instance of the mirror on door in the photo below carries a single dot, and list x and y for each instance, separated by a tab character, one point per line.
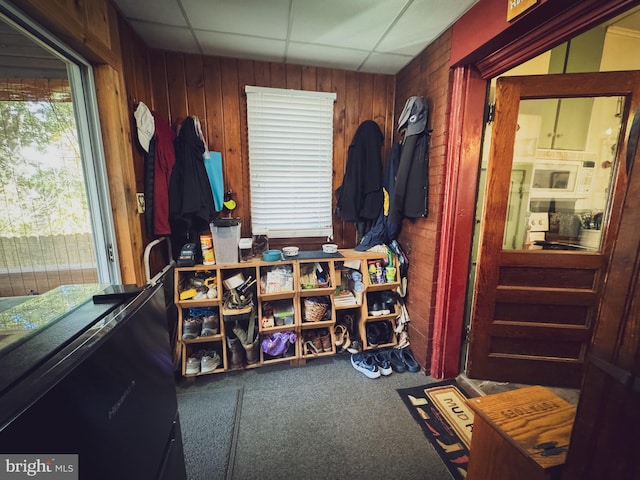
559	197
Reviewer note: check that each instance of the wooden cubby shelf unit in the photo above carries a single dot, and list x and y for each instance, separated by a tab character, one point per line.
282	287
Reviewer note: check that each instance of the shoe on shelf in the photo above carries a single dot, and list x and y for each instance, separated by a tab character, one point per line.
354	347
346	343
409	360
383	364
325	340
365	364
348	322
385	332
339	332
309	348
373	335
210	325
388	300
375	310
191	328
395	359
210	361
193	365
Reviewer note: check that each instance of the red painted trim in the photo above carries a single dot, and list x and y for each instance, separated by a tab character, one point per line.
483	36
465	128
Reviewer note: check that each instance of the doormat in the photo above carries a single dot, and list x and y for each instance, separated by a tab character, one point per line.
442	412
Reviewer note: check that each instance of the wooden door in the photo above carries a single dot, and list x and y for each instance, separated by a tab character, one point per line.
604	438
534	310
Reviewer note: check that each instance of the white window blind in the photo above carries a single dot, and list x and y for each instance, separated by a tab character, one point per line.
290	161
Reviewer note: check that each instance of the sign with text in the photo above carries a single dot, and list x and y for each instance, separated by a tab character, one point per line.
51	467
517	7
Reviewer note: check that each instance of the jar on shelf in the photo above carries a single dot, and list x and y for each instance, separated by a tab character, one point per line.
260	242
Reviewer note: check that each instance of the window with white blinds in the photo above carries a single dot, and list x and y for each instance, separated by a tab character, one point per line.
290	161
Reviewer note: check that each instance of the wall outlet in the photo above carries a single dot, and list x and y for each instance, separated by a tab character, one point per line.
140	202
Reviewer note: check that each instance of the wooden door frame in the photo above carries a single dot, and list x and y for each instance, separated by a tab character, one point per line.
469	81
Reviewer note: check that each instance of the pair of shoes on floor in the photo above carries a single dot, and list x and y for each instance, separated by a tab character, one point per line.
204	361
379	333
372	364
401	359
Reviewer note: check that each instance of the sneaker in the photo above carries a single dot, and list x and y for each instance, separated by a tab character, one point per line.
191	328
354	347
365	364
209	362
193	365
375	310
385	332
210	325
373	335
384	365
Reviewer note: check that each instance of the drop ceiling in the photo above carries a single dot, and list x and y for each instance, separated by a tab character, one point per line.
374	36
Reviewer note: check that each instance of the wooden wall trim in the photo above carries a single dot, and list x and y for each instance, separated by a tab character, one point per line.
468	94
116	139
89	27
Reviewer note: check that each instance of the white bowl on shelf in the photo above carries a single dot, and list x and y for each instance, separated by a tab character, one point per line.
330	248
290	251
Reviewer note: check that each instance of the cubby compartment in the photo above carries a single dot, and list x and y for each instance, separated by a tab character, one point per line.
317	342
317	310
316	277
203	359
277	280
279	346
198	285
349	284
277	315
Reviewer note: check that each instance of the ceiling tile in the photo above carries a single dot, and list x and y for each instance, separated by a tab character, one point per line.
166	12
355	24
422	23
230	45
385	63
323	56
258	18
166	38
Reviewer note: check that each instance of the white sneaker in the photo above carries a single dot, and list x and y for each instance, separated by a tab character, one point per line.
365	364
210	361
193	366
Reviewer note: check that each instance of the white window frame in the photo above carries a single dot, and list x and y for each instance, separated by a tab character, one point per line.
290	161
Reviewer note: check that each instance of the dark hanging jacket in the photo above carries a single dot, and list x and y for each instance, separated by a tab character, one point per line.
191	205
410	198
360	196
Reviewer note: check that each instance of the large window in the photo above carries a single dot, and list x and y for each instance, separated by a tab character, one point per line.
55	218
290	160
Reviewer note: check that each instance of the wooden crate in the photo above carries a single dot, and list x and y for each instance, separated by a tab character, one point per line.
515	432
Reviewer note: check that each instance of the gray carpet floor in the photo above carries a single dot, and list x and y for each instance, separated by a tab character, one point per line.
323	420
208	423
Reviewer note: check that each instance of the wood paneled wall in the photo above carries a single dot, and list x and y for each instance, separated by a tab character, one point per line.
212	88
427	75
